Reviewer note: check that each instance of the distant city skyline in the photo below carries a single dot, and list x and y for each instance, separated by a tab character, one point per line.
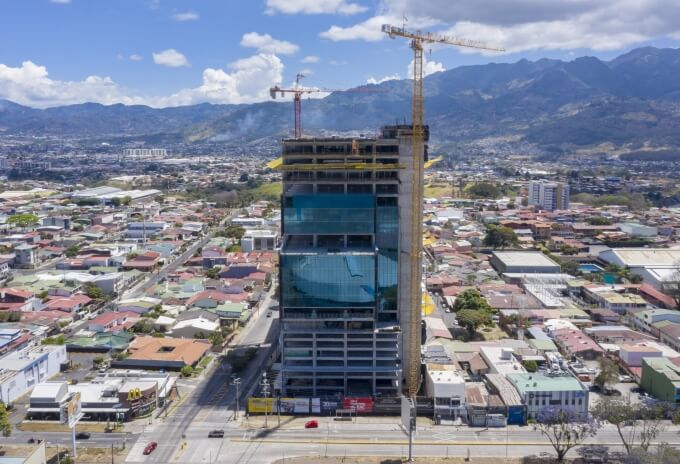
173	52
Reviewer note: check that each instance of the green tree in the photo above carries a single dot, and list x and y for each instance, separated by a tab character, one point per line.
636	424
564	430
483	190
72	251
216	338
472	319
187	371
530	365
609	373
500	236
92	291
23	220
234	231
599	221
5	424
212	273
471	299
57	340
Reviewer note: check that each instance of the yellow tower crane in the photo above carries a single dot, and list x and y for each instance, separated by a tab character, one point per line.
412	343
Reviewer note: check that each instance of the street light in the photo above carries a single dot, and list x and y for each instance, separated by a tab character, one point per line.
237	383
265	392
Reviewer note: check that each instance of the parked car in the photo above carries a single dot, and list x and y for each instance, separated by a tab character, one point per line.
312	424
269	314
216	434
150	447
83	436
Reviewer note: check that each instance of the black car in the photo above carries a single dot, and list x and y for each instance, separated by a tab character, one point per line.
83	436
216	434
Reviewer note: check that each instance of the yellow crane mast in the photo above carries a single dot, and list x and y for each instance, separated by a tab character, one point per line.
418	38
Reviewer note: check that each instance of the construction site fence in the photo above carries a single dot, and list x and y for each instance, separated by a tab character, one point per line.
379	406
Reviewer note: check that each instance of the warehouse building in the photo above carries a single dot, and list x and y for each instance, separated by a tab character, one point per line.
525	262
661	379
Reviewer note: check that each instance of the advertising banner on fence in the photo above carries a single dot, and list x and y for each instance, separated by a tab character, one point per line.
294	405
360	405
260	405
329	406
387	405
316	406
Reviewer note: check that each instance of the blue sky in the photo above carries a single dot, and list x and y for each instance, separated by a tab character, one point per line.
173	52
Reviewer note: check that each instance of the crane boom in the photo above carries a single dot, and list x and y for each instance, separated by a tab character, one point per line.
298	91
411	343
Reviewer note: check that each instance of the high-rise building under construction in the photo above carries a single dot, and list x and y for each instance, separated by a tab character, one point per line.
346	262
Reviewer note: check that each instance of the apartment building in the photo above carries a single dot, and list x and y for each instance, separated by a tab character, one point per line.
550	196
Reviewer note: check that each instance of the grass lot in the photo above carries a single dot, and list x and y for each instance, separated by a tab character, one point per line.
492	333
268	190
437	190
47	426
205	361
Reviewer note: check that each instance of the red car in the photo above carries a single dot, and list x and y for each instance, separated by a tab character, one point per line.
150	447
312	424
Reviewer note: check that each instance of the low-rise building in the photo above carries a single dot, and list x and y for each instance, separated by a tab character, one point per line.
539	391
112	396
447	388
259	240
527	262
661	379
21	370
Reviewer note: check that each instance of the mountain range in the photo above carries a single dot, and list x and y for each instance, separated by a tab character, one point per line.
631	100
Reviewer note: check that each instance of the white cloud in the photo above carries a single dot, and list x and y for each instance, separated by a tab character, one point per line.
247	81
373	80
523	25
61	2
314	7
171	58
429	67
135	57
368	30
265	43
186	16
310	59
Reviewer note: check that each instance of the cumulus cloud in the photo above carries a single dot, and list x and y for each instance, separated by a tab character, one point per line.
171	58
374	81
246	81
341	7
429	67
186	16
265	43
310	59
135	57
528	24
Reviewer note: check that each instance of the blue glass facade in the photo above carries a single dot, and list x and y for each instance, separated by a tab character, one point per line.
329	214
362	276
328	280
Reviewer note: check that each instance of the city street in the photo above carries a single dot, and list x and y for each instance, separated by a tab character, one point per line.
211	404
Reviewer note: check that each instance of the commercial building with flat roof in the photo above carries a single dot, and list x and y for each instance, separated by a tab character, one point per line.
345	264
661	379
539	391
654	265
21	370
526	262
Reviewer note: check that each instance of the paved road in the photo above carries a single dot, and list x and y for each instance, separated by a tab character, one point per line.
211	404
368	438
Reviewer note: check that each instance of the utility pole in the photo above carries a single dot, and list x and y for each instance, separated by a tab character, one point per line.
265	392
237	383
